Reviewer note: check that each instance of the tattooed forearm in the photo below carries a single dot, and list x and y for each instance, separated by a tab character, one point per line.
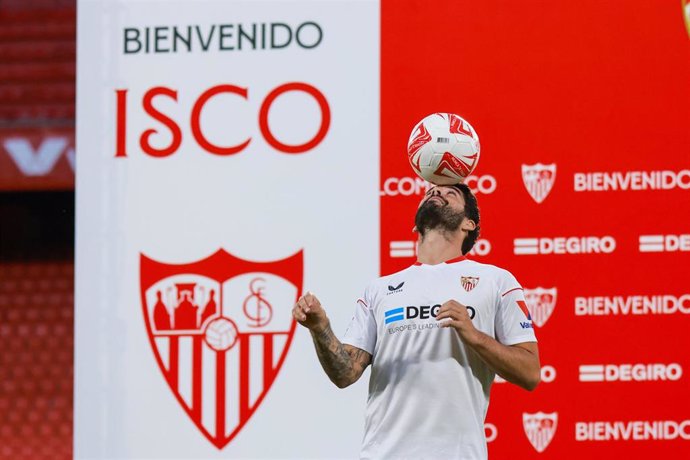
343	364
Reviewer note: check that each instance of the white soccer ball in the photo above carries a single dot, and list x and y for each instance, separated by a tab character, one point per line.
443	149
221	334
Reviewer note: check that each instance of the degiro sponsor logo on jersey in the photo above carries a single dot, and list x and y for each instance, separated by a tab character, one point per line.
416	312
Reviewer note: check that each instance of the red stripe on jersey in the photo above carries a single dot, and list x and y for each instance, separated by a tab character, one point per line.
523	307
364	304
508	292
456	259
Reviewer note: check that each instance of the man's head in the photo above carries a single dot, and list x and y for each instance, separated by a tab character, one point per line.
448	209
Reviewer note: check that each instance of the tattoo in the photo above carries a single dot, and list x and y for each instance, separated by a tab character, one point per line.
343	364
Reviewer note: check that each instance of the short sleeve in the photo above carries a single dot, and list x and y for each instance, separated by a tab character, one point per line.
513	320
361	332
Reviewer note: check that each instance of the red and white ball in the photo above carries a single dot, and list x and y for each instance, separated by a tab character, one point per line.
221	334
443	149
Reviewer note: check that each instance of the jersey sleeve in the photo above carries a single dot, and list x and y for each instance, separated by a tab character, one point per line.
361	332
513	319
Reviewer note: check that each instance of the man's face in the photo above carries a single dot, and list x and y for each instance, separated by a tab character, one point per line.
442	208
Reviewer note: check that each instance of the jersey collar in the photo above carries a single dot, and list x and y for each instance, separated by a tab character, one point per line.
450	261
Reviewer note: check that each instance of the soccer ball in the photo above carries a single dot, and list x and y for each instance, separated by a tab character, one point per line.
443	149
221	334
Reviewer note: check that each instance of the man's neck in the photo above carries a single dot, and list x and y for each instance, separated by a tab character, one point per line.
436	247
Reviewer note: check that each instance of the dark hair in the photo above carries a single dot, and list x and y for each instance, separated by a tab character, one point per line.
471	212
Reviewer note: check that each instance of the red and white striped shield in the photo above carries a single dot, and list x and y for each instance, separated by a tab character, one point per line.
539	180
469	282
541	303
540	428
220	329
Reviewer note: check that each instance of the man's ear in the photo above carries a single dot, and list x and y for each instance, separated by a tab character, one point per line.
468	225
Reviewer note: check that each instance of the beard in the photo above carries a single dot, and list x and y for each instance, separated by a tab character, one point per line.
433	215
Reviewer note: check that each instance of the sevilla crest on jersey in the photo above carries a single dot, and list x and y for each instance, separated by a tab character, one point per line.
220	329
469	282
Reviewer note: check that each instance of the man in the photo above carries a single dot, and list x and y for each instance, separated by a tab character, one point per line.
436	334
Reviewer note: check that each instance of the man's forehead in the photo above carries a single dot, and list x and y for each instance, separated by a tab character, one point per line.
452	187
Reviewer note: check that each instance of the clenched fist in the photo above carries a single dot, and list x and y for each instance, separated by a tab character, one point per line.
458	318
309	313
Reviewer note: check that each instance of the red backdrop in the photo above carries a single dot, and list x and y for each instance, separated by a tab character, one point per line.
589	86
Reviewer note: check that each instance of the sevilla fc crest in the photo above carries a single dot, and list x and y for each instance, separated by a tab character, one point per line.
541	303
540	428
539	180
469	282
220	329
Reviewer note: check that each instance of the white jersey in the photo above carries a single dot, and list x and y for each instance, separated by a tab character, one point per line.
429	393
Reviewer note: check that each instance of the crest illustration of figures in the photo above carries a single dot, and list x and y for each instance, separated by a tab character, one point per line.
541	303
539	180
540	428
220	329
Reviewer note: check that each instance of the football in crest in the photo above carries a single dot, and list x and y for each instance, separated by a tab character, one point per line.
443	149
221	334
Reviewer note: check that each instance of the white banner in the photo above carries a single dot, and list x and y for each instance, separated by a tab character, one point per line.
228	160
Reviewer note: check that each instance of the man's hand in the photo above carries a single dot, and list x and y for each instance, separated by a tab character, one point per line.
518	363
310	314
458	318
343	364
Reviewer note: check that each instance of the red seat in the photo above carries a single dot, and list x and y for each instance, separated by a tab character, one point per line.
36	336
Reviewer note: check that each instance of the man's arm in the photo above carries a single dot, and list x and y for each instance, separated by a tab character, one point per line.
344	364
518	364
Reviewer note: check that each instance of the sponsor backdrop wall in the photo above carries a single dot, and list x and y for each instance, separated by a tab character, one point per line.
232	155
